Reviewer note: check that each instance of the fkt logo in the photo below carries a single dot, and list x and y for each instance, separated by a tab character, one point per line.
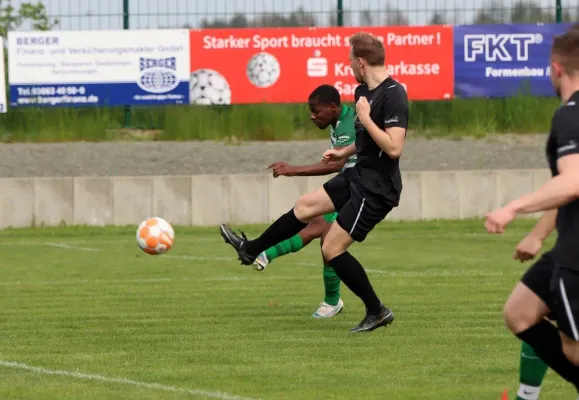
500	47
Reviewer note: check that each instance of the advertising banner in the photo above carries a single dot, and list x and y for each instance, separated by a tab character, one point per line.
3	102
98	68
503	60
283	65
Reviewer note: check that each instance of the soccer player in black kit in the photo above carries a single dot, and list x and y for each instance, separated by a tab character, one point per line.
550	288
362	195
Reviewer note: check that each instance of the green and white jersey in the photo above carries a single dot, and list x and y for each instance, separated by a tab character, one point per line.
345	133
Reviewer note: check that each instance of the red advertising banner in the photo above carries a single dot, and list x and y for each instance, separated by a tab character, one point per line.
283	65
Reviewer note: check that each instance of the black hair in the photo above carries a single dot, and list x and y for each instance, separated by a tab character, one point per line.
325	94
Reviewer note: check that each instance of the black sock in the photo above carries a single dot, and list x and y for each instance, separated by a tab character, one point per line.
283	228
351	272
544	338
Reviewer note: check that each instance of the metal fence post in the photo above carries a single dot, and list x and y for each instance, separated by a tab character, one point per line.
126	26
559	10
340	13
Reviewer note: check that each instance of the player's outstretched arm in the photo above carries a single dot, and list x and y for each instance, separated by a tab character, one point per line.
558	191
317	169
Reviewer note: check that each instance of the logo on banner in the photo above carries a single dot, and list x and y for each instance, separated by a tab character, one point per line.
158	75
317	66
500	47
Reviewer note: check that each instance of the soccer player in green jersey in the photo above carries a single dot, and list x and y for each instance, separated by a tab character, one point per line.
326	111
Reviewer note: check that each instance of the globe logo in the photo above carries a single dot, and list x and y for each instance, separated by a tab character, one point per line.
158	75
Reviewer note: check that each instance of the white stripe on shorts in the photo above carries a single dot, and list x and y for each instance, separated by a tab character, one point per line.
568	310
357	216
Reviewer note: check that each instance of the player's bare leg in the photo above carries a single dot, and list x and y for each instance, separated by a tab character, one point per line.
335	251
570	348
523	309
310	205
525	315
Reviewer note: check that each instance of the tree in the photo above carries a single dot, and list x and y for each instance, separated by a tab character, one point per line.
530	13
366	18
237	21
35	15
297	18
396	17
493	13
437	19
346	18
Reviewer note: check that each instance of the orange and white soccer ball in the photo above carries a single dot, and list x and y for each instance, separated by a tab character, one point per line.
155	236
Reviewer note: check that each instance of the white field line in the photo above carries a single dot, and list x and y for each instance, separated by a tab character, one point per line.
427	274
406	274
70	247
385	273
154	280
93	249
122	381
33	242
193	240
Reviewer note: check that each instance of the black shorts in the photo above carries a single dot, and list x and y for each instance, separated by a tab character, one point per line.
359	210
558	287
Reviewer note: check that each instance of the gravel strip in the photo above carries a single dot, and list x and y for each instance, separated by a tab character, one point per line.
189	158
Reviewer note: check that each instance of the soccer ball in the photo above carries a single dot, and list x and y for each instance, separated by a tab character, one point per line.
207	87
155	236
263	70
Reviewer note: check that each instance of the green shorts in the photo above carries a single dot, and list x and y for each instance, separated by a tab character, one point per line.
331	217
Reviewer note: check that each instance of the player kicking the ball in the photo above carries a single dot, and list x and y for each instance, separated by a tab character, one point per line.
326	110
362	195
550	288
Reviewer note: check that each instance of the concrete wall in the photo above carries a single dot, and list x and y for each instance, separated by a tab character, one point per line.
204	200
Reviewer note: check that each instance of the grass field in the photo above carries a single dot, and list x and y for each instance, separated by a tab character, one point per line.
86	315
457	118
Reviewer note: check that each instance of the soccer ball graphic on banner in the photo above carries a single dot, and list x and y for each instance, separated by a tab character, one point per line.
207	87
155	236
263	70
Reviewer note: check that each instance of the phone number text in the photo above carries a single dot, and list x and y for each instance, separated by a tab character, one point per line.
52	91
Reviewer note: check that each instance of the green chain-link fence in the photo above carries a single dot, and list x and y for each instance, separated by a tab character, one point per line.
109	14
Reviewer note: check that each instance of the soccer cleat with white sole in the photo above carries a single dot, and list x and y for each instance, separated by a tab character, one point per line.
260	262
373	321
327	311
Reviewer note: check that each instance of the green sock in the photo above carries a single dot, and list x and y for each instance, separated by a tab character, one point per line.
332	285
531	374
290	245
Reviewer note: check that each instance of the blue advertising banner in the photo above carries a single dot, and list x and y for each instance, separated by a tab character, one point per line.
98	68
503	60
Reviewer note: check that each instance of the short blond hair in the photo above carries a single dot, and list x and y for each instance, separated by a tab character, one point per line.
369	48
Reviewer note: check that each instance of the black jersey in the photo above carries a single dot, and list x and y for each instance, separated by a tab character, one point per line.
564	140
378	172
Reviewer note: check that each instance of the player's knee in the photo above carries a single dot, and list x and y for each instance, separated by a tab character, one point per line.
516	319
304	208
327	252
571	351
331	250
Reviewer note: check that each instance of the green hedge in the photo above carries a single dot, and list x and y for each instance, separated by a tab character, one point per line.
457	117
